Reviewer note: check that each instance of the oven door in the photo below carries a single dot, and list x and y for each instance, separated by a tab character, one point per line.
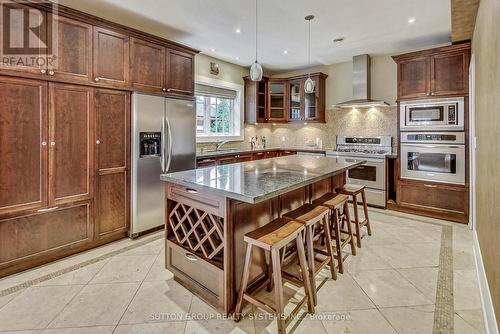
437	163
371	174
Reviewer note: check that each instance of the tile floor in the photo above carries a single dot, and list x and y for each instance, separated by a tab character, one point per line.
389	287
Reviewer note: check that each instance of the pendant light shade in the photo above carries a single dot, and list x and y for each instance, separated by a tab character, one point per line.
256	71
309	84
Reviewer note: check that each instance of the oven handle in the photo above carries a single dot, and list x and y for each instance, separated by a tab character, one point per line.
432	146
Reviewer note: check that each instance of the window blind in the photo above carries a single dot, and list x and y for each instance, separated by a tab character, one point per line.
206	90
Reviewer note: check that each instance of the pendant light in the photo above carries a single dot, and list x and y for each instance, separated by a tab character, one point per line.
309	84
256	71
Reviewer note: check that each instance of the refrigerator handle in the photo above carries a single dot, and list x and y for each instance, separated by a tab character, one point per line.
169	132
162	155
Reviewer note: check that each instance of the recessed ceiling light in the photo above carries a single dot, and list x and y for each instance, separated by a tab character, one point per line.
285	52
237	58
213	50
238	31
412	20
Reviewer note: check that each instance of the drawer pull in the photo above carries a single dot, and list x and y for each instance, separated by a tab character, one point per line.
430	185
48	209
191	257
191	191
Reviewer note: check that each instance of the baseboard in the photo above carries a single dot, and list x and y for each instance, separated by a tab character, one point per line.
488	310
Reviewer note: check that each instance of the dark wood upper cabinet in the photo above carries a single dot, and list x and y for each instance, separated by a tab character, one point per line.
179	72
148	66
111	58
450	74
71	157
256	100
73	49
112	156
28	51
276	111
23	144
437	72
414	78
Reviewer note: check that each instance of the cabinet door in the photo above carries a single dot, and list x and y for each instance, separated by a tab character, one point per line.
277	102
450	74
148	66
35	238
26	38
113	156
23	144
71	158
296	100
414	78
73	42
180	72
111	58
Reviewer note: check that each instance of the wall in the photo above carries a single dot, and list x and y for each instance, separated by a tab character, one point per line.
486	47
227	71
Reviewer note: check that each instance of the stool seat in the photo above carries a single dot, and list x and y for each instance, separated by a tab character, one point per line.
336	202
276	234
308	213
350	189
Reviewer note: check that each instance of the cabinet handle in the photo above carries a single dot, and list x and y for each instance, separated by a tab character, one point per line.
427	94
51	72
191	257
52	143
432	93
43	71
179	90
430	185
98	142
44	143
191	191
164	89
48	209
96	79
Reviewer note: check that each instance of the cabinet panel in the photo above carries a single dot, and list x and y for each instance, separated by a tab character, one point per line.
414	78
112	204
111	57
73	40
71	150
180	72
148	66
277	101
36	234
23	156
450	74
112	119
27	38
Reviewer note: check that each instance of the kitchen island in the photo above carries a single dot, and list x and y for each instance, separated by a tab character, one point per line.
209	210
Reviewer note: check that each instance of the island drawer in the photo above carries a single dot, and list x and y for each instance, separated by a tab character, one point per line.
200	276
201	200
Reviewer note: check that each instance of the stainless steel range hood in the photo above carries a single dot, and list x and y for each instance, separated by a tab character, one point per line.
361	95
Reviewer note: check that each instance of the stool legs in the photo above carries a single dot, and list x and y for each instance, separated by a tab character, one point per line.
356	220
365	209
278	290
347	218
310	261
338	247
328	237
244	282
305	277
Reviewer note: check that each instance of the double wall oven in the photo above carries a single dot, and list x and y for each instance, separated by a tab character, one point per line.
433	140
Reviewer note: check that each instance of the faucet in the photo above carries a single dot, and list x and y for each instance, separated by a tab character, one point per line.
219	144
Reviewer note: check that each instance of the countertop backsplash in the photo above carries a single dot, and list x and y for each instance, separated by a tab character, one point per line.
363	122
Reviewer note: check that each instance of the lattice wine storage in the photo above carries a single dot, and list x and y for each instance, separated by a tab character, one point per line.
197	231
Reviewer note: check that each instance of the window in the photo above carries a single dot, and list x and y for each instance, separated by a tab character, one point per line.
217	113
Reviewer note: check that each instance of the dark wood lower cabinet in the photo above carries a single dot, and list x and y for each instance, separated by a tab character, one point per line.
35	238
438	200
112	216
235	158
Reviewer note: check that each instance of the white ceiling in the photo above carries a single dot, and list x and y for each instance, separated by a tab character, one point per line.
369	26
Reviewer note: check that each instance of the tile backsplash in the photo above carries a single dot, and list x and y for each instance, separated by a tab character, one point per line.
363	122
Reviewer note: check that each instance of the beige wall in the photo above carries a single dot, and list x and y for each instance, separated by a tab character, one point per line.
486	47
227	71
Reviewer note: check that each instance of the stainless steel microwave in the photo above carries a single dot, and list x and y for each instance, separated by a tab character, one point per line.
445	114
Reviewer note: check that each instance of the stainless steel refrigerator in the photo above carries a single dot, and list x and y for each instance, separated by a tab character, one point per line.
163	141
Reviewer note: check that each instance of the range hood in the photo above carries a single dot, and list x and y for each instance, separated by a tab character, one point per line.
361	95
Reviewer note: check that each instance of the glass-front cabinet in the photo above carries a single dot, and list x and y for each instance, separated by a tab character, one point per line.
304	106
296	89
277	101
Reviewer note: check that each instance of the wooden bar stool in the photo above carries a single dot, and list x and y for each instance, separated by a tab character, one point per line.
272	238
354	190
339	219
314	216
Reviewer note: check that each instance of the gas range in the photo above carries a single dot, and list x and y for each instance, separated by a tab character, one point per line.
372	174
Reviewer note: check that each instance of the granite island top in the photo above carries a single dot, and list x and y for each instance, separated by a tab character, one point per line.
231	151
256	181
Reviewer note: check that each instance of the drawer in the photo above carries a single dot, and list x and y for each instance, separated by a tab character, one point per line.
434	196
200	276
201	200
206	163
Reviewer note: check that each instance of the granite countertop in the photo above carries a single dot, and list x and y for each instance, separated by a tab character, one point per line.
256	181
223	152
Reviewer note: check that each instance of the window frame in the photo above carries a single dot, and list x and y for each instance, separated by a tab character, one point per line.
238	118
